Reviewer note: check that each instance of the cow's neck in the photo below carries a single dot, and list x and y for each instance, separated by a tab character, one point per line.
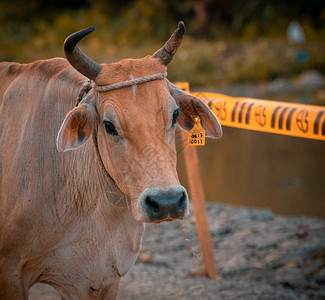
110	212
101	163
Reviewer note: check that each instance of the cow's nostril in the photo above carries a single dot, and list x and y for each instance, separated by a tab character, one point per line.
152	205
182	203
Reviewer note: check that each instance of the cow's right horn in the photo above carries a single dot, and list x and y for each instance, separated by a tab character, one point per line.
80	61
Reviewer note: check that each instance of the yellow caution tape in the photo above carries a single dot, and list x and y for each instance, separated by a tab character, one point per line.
300	120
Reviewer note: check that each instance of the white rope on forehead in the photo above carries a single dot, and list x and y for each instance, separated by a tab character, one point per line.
119	85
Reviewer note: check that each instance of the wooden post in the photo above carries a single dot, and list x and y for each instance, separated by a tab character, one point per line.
197	196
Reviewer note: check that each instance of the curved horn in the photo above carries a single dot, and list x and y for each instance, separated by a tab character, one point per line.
77	58
166	53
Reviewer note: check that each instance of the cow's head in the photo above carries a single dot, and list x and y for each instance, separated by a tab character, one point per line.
134	126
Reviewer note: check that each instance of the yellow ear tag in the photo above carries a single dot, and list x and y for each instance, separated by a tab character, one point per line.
196	136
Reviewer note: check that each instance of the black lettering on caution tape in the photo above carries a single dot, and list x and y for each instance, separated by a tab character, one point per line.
234	112
240	116
274	116
282	117
260	115
249	112
288	125
317	123
302	120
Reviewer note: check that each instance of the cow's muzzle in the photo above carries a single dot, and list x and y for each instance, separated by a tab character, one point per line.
158	205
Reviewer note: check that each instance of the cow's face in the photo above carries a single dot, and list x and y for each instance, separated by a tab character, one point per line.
135	130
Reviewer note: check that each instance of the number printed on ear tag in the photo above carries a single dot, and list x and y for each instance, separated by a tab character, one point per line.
196	136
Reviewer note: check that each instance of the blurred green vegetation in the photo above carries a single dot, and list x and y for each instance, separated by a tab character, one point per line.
226	40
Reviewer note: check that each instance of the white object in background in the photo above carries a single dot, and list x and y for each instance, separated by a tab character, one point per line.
295	33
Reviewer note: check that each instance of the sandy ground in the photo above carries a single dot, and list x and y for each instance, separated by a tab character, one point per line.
258	256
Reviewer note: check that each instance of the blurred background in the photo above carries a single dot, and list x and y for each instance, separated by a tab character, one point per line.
256	48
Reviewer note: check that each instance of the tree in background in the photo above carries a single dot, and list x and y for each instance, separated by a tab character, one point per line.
231	33
139	17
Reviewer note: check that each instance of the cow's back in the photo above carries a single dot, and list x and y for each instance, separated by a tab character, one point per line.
33	102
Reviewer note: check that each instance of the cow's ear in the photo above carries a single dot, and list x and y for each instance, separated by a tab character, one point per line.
76	128
192	107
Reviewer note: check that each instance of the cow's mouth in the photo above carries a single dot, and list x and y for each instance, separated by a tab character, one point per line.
168	219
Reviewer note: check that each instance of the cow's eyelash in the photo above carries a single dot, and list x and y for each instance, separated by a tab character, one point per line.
175	116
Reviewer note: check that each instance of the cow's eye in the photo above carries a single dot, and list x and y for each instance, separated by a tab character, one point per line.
175	116
110	128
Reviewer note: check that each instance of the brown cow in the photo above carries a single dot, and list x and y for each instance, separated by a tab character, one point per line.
75	219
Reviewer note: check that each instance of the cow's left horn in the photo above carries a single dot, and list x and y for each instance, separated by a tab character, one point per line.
166	53
80	61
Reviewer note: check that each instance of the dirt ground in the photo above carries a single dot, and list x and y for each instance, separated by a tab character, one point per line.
258	255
